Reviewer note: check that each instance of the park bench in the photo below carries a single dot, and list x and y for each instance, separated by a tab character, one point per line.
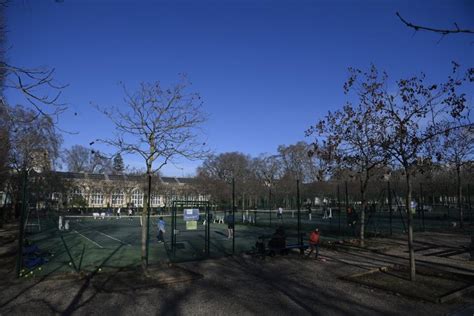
287	247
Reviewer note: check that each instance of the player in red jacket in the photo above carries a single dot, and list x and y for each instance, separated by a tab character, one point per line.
314	242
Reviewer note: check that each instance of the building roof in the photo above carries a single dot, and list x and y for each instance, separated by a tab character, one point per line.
119	177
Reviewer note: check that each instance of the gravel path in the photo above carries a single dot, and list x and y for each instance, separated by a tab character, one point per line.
239	285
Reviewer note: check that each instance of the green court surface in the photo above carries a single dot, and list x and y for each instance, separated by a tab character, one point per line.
111	243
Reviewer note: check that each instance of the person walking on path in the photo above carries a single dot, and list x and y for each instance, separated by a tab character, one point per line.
161	229
314	242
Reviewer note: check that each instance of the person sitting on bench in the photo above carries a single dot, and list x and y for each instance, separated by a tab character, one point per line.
260	246
277	243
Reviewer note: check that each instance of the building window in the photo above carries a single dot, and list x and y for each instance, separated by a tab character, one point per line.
156	200
97	197
77	192
137	198
117	198
56	196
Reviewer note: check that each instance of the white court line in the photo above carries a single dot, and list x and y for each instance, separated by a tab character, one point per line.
88	239
106	235
113	238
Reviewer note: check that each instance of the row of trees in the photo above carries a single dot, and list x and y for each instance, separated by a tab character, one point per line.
270	176
408	126
414	129
269	181
82	159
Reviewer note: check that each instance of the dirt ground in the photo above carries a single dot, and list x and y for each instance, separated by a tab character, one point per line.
242	285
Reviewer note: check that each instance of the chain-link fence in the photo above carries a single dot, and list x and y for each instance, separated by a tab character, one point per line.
85	238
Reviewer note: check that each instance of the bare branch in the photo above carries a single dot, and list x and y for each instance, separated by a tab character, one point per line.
443	32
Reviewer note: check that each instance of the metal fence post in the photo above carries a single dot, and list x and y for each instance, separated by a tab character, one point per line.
208	224
270	204
389	192
19	263
233	215
339	207
300	237
469	202
346	197
422	207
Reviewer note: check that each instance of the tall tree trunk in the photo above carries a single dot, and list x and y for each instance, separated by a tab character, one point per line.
459	193
145	218
362	214
410	225
144	236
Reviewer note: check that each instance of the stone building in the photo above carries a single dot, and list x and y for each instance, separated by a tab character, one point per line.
102	190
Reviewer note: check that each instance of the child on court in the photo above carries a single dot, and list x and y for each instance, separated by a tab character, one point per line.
308	207
130	213
161	229
230	226
280	213
314	243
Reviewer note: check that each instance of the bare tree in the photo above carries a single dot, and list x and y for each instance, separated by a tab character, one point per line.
414	115
77	158
5	141
159	125
100	163
118	165
219	170
36	85
34	146
457	149
350	137
32	84
81	159
268	171
297	162
34	140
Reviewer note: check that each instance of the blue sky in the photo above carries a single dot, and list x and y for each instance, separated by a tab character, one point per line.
266	70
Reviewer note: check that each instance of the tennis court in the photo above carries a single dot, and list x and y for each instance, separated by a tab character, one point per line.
110	243
90	244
